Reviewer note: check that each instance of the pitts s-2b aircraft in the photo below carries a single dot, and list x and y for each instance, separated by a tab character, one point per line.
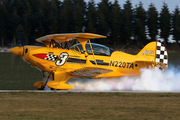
86	59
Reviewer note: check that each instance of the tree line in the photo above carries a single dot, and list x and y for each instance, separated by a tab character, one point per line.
29	19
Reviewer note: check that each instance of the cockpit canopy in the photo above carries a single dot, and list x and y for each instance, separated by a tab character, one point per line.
97	49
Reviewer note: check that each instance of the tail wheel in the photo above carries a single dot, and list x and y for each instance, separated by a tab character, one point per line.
160	66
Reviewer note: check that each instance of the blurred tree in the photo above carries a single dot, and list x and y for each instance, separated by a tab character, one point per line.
91	18
54	24
32	19
27	22
104	20
152	22
15	24
3	22
176	24
44	18
104	17
79	13
165	20
20	7
139	25
127	15
67	18
116	23
41	21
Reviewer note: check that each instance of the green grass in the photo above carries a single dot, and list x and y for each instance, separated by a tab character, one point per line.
89	106
15	74
174	58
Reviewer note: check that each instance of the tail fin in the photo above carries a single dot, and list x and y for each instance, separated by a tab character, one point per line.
154	52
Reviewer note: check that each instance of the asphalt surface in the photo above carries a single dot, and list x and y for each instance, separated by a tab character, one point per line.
85	91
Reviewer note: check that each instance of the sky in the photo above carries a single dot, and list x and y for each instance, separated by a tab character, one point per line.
158	3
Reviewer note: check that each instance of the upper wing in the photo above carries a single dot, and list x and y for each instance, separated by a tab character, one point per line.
67	37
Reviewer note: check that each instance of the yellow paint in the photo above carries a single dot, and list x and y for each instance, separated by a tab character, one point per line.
17	51
117	65
39	84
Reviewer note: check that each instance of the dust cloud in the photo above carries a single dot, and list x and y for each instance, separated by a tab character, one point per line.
149	80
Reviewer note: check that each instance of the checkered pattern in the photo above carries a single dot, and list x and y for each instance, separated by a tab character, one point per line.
51	57
161	54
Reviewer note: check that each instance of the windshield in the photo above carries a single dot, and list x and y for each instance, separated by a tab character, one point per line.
97	49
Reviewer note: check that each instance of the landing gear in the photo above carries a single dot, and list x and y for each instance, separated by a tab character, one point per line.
160	66
42	88
42	85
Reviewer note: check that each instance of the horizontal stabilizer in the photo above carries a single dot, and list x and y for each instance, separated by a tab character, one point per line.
158	65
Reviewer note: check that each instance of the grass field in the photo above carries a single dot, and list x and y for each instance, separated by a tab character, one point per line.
174	58
15	74
89	106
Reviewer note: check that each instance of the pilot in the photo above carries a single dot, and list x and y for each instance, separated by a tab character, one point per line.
102	51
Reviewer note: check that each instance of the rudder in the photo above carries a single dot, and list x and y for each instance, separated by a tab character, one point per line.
154	52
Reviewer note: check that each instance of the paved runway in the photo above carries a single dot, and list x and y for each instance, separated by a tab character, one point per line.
85	91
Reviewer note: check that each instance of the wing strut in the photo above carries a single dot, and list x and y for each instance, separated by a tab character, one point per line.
92	52
83	43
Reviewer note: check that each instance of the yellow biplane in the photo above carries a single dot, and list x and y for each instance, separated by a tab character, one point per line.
63	60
